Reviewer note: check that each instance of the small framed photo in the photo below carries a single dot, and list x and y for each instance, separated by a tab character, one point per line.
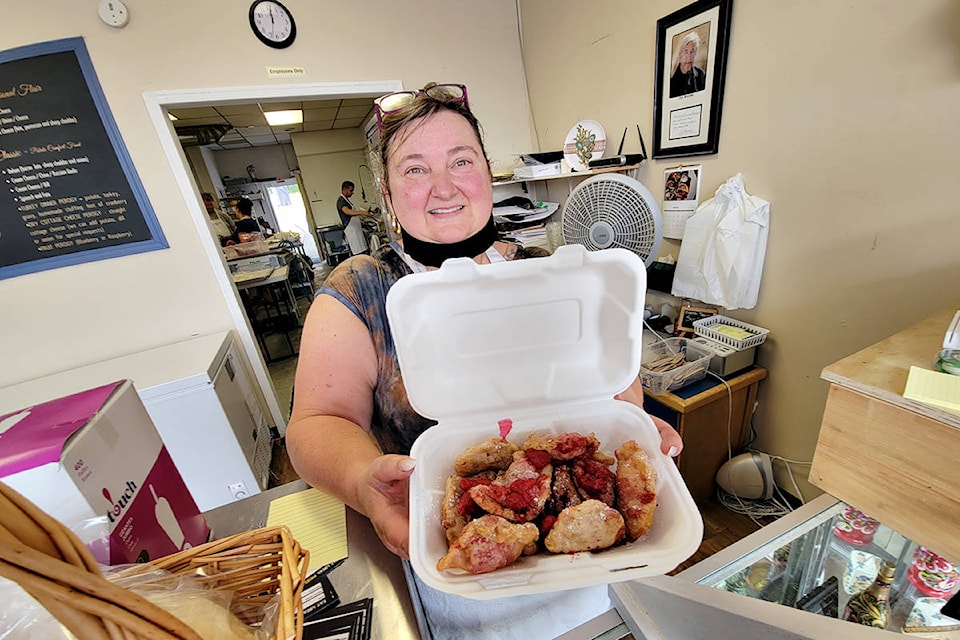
692	46
686	318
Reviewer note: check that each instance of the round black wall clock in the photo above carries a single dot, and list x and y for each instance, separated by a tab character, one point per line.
272	23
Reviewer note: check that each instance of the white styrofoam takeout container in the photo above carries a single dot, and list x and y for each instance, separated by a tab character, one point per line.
546	343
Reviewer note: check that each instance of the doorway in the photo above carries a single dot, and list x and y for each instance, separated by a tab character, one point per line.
158	105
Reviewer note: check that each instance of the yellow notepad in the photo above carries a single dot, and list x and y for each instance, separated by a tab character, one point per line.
317	521
933	387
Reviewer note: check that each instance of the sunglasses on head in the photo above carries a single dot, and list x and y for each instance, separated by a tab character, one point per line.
393	102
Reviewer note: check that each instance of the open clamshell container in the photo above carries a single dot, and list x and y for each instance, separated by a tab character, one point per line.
547	343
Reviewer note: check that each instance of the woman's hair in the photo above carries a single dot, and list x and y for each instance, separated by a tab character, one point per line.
245	206
692	36
420	107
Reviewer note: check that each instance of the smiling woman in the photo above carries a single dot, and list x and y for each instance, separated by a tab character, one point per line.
437	183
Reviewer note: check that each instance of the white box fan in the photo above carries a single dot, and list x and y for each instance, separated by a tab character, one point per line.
613	210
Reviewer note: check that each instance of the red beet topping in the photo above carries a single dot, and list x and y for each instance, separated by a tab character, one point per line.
539	459
467	483
467	507
519	496
547	524
505	426
594	477
574	443
647	498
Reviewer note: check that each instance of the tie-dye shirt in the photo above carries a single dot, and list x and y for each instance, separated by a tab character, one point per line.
361	284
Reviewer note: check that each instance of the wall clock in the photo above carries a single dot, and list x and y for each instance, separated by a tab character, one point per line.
272	23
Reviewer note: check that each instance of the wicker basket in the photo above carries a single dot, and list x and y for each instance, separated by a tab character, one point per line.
51	564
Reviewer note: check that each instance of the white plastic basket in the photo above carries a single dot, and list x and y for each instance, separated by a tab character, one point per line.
706	327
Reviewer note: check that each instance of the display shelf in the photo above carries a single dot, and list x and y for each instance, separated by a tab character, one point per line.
571	175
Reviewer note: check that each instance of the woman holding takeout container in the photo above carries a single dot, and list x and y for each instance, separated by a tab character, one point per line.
437	182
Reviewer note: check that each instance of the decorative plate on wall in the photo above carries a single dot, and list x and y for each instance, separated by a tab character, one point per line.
585	142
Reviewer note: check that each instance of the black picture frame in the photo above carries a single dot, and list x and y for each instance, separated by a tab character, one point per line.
687	106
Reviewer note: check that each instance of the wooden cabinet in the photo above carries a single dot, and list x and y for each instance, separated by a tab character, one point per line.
894	459
702	414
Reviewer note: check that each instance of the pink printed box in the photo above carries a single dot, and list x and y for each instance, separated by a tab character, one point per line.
97	453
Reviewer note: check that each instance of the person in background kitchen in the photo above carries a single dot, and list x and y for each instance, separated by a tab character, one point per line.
352	427
687	77
225	226
245	222
350	219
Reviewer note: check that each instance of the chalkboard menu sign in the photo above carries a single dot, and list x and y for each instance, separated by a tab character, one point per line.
70	193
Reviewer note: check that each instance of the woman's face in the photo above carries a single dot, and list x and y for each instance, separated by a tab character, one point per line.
687	54
439	182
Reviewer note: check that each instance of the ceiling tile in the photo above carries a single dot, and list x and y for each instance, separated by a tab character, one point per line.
312	115
194	112
353	112
349	123
281	106
321	104
193	122
248	120
238	109
358	102
322	125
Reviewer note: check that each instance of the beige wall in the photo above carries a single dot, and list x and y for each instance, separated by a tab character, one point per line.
63	318
843	115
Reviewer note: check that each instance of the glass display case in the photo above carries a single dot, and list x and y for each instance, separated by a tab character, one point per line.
820	563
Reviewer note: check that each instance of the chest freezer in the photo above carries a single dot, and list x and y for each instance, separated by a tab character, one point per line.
201	400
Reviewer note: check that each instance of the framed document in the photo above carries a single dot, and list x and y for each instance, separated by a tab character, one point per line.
691	58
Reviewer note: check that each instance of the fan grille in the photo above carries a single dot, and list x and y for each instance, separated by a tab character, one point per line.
613	211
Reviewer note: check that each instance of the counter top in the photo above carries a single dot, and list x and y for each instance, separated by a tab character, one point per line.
880	370
370	571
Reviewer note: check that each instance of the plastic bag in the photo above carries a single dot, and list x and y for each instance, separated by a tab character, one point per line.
724	243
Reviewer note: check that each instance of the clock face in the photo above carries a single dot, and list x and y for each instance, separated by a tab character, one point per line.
272	23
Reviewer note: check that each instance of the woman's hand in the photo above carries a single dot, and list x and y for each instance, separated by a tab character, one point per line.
383	495
670	442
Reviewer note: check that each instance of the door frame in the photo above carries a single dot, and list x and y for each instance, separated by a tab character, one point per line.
158	103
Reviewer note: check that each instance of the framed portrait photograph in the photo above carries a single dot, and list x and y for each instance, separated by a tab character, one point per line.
692	45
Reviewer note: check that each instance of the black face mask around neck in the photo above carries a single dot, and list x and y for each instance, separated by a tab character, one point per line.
431	254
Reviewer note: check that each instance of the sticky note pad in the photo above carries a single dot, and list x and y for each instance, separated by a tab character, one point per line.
933	387
317	521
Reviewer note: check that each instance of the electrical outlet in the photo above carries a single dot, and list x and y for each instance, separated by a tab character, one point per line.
113	13
238	490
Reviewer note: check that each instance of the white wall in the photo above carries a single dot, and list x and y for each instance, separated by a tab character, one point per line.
64	318
840	114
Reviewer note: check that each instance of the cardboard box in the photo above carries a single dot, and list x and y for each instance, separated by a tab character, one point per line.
546	343
97	454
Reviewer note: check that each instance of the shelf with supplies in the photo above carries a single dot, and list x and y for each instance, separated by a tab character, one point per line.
571	175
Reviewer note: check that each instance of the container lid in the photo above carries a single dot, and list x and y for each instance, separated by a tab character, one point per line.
35	436
474	339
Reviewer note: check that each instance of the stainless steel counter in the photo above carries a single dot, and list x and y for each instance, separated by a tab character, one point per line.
370	571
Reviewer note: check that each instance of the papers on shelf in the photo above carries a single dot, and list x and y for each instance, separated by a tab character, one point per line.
250	276
519	214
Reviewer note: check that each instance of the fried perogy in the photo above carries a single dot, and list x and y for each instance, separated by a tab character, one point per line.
495	453
588	526
563	446
636	488
456	511
487	544
521	492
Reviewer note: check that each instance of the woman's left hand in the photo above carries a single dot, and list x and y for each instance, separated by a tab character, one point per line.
671	443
